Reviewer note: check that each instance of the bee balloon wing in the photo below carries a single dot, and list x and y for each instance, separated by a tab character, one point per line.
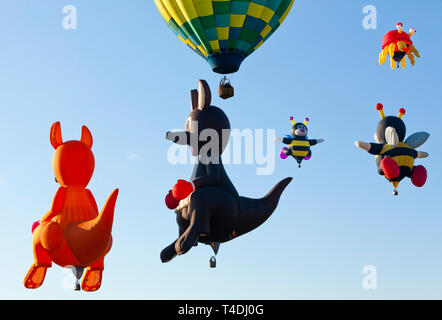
417	139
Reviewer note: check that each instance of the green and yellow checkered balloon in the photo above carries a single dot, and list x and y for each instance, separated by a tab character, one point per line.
224	32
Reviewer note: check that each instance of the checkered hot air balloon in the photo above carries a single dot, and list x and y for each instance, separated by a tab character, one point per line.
224	32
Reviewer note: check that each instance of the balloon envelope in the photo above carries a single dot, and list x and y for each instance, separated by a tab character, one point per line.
224	32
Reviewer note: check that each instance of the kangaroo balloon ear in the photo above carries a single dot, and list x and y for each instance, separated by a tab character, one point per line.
55	135
86	136
204	95
194	99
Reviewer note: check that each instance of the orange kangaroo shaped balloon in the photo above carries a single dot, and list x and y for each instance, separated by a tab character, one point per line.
72	233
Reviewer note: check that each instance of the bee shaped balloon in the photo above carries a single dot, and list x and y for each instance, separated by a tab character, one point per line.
298	142
394	156
397	44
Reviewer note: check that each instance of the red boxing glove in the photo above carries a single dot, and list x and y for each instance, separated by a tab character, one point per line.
390	168
171	202
182	189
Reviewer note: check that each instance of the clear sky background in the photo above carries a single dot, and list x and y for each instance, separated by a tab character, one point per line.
127	77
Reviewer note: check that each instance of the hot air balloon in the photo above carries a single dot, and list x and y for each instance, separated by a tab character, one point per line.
397	44
298	142
208	208
224	32
72	233
395	155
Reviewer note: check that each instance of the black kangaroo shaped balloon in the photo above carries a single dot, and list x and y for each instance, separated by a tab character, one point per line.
209	210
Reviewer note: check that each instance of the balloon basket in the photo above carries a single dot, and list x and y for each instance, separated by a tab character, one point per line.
226	89
78	273
213	262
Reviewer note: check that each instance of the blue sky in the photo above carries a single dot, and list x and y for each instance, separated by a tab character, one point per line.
125	75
